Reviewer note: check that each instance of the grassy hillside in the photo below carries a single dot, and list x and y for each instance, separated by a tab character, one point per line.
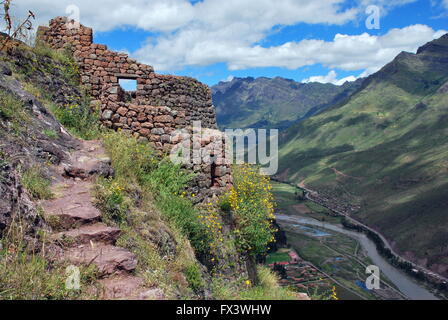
273	103
385	150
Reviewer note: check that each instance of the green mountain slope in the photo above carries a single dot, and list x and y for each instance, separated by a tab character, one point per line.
385	150
273	103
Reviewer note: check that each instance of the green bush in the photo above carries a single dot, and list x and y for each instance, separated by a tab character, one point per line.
167	177
136	163
36	183
194	277
29	277
224	203
183	215
62	56
110	197
26	275
167	181
51	133
268	288
153	190
67	64
12	109
242	289
79	119
131	159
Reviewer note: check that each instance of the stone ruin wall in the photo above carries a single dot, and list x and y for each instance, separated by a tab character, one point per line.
161	105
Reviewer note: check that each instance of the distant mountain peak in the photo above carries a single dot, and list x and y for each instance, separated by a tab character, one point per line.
439	45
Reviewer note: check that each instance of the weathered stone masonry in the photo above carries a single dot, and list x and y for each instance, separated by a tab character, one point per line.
161	104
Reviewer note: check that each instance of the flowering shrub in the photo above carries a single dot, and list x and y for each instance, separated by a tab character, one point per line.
334	295
211	219
252	204
110	197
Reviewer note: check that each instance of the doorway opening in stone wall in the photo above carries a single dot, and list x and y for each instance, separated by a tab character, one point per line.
214	177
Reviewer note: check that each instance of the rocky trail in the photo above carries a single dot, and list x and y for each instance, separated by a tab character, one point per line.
82	239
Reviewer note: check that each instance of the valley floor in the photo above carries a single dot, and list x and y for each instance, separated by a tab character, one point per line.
334	253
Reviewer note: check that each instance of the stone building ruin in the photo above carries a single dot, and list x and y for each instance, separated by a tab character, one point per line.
161	104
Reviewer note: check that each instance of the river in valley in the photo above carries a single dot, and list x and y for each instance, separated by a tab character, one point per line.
402	281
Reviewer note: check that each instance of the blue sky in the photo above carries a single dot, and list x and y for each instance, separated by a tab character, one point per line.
213	40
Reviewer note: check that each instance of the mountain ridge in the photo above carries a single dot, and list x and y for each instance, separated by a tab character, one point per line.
273	102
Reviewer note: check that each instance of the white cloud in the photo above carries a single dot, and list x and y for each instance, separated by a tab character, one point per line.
169	15
105	15
197	47
445	3
386	4
232	31
204	26
331	77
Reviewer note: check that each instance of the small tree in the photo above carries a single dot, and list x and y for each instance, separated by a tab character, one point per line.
14	33
252	204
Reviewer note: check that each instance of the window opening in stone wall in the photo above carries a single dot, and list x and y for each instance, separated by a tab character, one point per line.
129	89
128	84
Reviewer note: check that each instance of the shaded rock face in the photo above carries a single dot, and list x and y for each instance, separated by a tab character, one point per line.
44	73
23	142
31	142
15	203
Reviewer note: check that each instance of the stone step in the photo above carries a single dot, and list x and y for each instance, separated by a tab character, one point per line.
127	287
85	168
72	205
88	161
98	233
109	259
